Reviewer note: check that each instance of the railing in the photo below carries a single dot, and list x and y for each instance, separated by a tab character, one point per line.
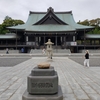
10	51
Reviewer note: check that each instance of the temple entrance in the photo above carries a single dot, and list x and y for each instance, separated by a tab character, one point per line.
52	39
55	40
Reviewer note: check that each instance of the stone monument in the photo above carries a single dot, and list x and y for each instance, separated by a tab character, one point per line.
42	84
49	49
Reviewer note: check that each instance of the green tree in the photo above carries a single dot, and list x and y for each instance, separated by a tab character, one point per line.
7	22
93	22
85	22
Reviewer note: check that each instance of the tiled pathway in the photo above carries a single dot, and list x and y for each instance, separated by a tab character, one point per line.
77	82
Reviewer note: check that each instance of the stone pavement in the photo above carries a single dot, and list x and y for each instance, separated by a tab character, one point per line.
77	82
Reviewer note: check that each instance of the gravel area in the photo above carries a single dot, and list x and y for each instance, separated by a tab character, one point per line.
10	62
94	61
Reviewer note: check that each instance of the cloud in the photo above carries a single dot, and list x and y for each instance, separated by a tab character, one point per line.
19	9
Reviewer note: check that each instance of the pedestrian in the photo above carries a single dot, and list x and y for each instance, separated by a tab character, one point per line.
43	51
86	61
22	50
7	51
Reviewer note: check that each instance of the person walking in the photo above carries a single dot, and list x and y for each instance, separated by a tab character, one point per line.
7	51
22	50
43	51
86	61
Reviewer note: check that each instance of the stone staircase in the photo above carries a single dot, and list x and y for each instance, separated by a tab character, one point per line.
54	51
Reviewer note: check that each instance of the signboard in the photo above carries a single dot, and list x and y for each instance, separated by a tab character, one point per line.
73	43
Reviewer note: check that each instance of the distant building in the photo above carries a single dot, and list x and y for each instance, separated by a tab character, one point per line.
60	27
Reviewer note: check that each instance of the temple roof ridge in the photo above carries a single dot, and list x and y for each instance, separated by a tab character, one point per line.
50	9
60	12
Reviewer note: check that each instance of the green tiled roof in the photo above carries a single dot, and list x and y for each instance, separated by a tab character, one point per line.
65	17
50	28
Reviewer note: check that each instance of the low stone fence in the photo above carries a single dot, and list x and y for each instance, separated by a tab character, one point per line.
10	51
61	51
90	51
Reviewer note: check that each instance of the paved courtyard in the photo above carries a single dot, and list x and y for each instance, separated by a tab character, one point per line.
77	82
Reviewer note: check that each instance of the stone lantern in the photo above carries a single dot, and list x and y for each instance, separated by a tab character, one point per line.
49	48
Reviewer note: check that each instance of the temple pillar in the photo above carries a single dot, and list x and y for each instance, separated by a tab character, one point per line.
65	41
73	38
56	41
84	39
44	38
61	39
16	39
35	40
26	38
39	39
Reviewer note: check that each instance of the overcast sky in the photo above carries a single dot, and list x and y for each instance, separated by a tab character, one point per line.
19	9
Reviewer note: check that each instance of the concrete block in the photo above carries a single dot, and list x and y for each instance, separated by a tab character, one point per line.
42	84
57	96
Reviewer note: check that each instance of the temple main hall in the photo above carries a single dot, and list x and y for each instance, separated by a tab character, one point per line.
60	27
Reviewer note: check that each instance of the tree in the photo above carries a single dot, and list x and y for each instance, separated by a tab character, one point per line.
85	22
7	22
93	22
